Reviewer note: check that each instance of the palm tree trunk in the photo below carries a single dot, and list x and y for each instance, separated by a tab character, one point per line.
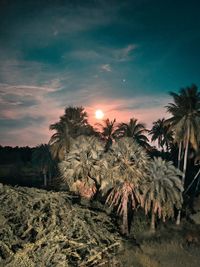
196	176
125	221
179	155
178	219
186	156
153	228
45	179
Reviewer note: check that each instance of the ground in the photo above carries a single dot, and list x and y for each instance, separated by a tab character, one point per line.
46	228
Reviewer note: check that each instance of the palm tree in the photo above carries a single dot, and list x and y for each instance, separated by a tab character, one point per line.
42	159
162	133
60	140
127	167
185	121
163	190
108	132
135	130
72	124
76	119
84	167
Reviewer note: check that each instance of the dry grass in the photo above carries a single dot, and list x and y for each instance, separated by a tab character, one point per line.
40	228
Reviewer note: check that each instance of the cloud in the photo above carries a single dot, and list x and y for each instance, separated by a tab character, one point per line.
20	123
106	67
26	113
124	54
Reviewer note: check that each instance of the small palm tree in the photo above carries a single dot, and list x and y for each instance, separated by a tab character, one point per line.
108	132
42	159
127	165
135	130
162	192
162	133
84	166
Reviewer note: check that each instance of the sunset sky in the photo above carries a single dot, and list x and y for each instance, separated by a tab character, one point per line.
121	56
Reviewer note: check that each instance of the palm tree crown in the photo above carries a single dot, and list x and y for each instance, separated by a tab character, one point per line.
185	121
163	190
108	132
135	130
185	115
162	133
72	124
84	163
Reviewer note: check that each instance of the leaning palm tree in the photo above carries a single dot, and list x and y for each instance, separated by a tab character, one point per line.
108	132
162	192
185	121
162	133
127	167
84	166
43	161
135	130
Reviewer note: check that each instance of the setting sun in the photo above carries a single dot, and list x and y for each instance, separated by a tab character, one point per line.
99	114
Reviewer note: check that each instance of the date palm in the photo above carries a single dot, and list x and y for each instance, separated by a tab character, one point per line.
162	192
127	167
162	133
84	165
135	130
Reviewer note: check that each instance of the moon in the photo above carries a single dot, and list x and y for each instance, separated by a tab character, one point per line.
99	114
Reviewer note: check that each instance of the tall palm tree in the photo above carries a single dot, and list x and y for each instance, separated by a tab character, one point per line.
42	159
76	119
135	130
84	166
163	190
108	132
185	121
127	167
162	133
72	124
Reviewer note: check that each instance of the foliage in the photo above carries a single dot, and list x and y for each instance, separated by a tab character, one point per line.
42	159
128	163
162	133
135	130
185	114
163	190
84	164
185	123
40	228
108	132
72	124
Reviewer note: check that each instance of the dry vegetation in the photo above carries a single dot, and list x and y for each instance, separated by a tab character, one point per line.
40	228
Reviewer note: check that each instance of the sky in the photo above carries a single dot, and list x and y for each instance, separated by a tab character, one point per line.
121	56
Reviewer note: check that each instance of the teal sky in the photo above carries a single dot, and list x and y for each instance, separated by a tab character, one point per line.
121	56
